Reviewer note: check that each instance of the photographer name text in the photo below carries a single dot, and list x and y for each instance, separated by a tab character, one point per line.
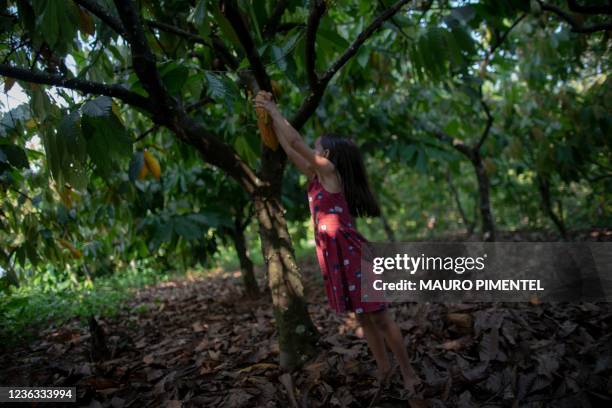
460	285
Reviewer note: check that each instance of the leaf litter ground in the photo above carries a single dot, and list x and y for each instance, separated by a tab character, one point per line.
196	341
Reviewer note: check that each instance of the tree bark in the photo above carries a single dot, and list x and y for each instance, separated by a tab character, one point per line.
387	228
488	227
469	225
251	289
296	333
544	189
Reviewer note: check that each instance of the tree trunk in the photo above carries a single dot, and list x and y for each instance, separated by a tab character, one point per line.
544	189
387	228
251	289
469	225
296	333
488	227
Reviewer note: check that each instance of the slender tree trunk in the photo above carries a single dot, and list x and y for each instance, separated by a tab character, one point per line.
488	227
297	334
387	227
251	288
469	225
544	189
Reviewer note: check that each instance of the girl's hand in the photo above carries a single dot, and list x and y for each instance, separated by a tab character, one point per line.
264	100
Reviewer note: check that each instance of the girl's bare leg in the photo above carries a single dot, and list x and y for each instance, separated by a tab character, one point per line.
393	335
376	344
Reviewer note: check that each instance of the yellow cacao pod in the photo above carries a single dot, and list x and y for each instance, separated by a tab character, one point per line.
144	170
265	128
152	164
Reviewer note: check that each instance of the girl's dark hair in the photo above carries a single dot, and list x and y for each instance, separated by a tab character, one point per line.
346	157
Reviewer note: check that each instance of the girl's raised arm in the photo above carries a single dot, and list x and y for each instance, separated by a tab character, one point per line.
305	158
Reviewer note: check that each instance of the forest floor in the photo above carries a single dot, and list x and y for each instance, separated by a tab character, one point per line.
195	341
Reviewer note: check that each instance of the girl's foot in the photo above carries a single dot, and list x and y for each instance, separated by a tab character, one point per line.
412	386
412	382
384	376
384	379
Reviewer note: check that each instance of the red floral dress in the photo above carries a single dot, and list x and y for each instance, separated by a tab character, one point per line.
338	250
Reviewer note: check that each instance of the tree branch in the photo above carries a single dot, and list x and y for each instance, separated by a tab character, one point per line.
577	26
270	28
498	43
227	56
178	31
216	44
444	137
190	108
361	38
87	87
317	9
309	105
97	10
469	225
232	13
574	6
144	62
488	125
381	2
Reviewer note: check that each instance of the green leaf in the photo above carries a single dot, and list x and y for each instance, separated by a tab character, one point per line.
107	139
363	56
100	106
174	77
333	38
279	57
186	228
429	56
438	47
463	39
71	152
226	27
407	152
211	219
464	13
11	119
198	14
47	20
162	233
244	149
421	163
292	40
221	87
14	155
253	20
57	23
49	139
452	128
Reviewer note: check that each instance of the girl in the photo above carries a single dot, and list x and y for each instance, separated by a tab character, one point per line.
338	190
